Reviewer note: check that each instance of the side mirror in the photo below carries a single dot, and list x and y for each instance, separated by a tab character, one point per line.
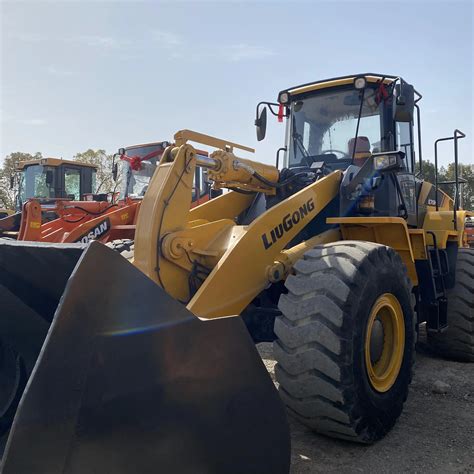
115	171
404	104
12	182
49	177
261	124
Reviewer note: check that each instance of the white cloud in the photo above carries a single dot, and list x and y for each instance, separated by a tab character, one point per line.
57	71
97	41
33	121
243	51
166	38
233	53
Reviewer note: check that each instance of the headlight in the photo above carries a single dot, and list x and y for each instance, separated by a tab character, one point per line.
283	98
387	161
359	82
384	161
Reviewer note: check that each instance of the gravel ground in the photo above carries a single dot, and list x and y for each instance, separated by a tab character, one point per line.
434	434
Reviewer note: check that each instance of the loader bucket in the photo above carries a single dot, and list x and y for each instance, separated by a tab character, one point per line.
127	380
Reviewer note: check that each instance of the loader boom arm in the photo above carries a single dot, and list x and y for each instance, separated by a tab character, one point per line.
193	256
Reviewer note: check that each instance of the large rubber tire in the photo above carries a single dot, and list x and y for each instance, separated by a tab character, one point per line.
320	346
126	247
457	342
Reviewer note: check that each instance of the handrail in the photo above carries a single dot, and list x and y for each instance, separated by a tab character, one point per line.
418	120
457	134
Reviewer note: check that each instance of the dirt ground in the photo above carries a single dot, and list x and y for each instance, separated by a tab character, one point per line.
434	434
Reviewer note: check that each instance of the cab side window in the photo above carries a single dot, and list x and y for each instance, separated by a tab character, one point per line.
72	183
405	143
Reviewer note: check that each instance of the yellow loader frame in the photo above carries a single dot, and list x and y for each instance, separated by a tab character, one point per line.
207	238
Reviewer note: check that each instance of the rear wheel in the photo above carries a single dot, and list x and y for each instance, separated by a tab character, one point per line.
345	340
457	342
12	383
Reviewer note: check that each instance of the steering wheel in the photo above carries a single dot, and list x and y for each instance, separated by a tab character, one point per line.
330	150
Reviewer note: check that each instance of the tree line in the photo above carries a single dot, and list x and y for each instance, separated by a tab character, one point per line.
446	175
105	183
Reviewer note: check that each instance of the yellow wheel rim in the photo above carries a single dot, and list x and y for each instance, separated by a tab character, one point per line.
384	342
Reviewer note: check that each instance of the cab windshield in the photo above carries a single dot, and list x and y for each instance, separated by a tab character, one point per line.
34	182
135	182
323	126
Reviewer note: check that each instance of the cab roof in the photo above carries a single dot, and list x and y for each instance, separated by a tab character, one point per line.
142	145
338	81
52	162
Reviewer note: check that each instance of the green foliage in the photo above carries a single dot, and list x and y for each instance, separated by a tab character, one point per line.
466	172
428	170
7	171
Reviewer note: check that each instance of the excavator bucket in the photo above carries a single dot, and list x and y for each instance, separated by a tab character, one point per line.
121	378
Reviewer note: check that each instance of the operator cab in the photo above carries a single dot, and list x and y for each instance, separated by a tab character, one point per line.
361	125
137	166
48	179
322	128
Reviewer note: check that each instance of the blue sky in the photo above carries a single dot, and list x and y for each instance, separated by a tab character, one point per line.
78	75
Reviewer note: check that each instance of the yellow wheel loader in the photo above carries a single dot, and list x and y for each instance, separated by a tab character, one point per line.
338	257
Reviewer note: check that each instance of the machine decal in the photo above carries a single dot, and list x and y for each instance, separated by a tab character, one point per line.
287	224
96	232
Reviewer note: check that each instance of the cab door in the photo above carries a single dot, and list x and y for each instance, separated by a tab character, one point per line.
72	180
406	177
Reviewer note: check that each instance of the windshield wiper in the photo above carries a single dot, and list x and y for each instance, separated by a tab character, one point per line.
298	141
357	126
129	178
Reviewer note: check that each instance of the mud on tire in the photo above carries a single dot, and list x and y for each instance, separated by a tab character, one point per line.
320	346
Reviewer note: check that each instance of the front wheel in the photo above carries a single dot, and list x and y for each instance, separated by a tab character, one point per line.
345	340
